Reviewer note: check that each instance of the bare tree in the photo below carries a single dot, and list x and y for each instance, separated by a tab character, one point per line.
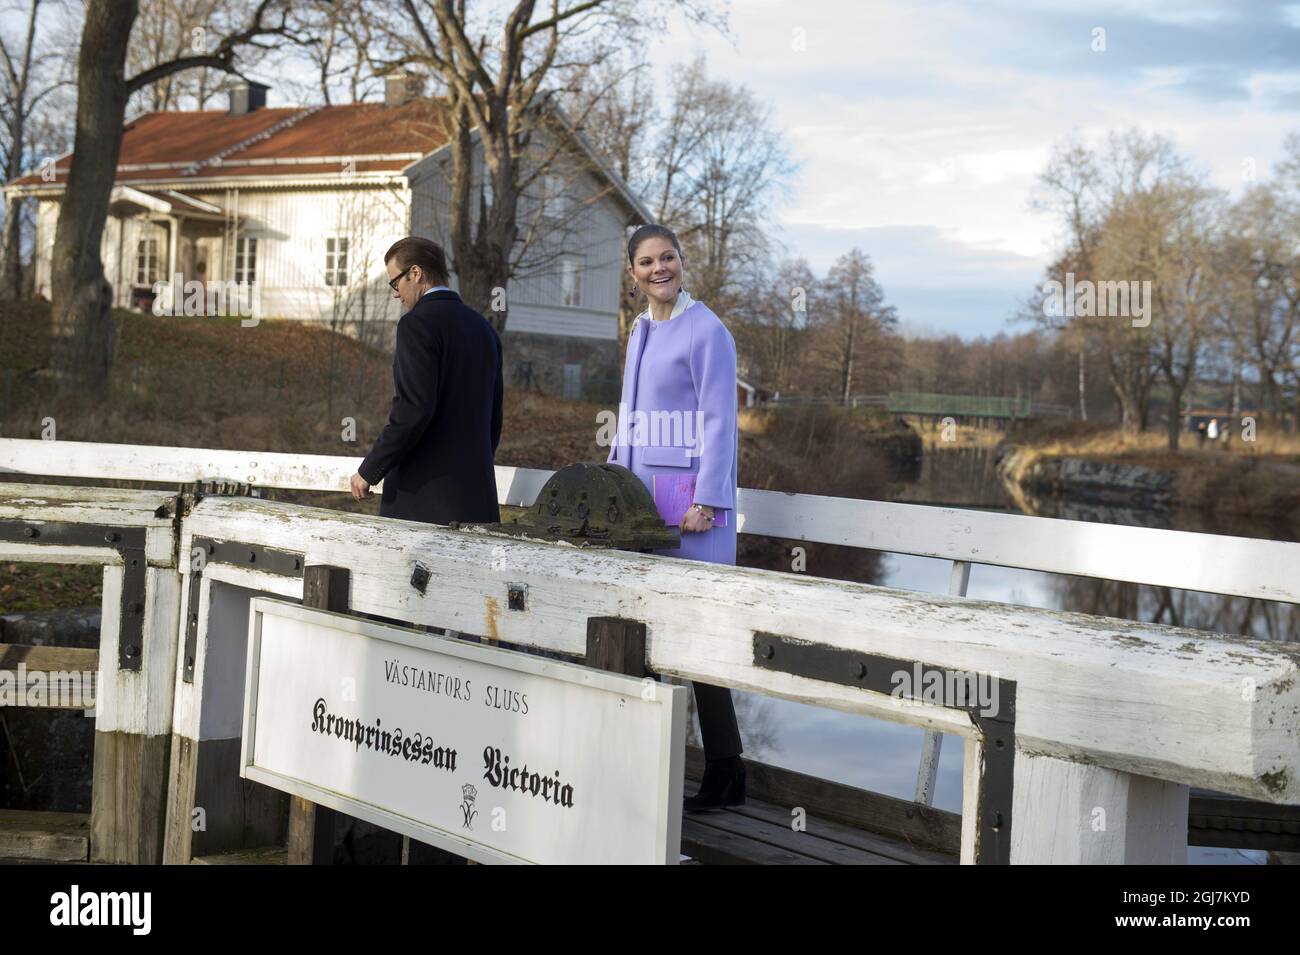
770	332
723	171
852	321
83	326
1174	225
502	78
339	58
1098	193
164	31
1262	289
29	75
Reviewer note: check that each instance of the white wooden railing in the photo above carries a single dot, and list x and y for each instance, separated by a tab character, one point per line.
1113	714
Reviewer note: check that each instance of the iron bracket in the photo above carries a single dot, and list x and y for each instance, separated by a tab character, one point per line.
204	551
950	688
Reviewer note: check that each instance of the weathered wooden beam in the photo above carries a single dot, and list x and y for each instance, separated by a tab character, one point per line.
1170	703
44	836
133	462
38	504
133	715
311	827
211	810
67	676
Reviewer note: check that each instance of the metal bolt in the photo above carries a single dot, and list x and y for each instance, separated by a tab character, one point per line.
861	670
112	537
30	532
769	651
252	556
516	597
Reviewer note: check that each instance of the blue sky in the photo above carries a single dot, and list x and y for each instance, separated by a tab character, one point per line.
920	126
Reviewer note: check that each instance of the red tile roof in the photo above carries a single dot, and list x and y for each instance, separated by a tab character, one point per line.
183	140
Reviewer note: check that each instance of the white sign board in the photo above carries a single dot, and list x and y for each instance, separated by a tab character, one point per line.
496	755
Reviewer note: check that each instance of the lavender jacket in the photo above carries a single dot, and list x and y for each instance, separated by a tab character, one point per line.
685	366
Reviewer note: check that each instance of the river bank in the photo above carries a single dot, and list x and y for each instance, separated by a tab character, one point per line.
1253	480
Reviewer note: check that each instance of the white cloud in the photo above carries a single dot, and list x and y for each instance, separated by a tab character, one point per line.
932	120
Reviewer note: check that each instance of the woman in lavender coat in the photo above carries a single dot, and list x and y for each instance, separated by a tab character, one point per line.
682	360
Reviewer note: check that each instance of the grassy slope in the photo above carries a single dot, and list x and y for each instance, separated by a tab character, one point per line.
202	382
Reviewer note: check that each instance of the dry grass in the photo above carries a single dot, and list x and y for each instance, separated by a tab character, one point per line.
963	436
29	587
199	382
202	382
1151	448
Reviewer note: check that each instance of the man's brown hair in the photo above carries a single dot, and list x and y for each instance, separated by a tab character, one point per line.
417	250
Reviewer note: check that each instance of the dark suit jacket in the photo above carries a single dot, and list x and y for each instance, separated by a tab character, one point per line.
435	455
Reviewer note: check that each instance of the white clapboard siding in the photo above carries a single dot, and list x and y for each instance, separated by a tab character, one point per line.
1234	566
1141	698
291	226
556	320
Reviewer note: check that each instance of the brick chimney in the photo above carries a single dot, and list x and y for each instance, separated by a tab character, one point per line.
402	87
246	96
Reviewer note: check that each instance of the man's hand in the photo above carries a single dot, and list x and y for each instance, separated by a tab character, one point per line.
360	489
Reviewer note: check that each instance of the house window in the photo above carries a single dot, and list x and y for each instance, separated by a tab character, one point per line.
336	260
557	197
245	261
146	262
571	282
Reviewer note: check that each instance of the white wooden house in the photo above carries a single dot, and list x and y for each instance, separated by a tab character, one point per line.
301	204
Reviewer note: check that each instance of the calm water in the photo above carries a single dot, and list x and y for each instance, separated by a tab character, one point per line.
882	756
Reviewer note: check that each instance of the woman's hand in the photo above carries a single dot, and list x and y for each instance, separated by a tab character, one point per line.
697	521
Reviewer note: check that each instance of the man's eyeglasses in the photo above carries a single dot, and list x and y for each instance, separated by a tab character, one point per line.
392	284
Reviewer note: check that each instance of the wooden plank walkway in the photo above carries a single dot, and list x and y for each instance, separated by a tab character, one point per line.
760	833
36	836
840	825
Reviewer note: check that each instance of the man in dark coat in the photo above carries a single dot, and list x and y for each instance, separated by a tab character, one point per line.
435	455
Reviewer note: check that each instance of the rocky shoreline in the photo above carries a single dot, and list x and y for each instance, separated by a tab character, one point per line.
1089	480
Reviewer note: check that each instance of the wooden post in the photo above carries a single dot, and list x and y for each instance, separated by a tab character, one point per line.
311	827
617	645
1075	813
211	810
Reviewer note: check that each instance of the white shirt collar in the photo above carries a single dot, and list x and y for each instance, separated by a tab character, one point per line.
684	301
436	288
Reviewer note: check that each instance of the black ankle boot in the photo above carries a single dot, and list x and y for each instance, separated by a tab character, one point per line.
723	785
